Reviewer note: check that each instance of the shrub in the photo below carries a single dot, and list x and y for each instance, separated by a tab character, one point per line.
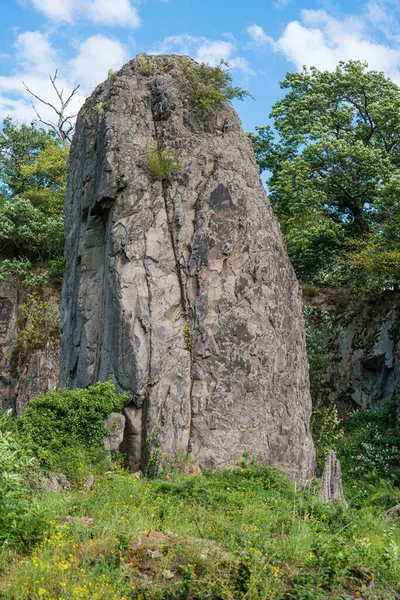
318	327
28	232
56	428
372	442
14	464
212	86
162	161
146	64
42	325
15	266
326	431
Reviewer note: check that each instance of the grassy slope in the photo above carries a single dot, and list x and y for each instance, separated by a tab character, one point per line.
227	535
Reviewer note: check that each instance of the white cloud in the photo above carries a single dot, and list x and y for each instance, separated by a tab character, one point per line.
36	59
58	10
322	41
258	37
96	55
114	12
205	50
34	51
105	12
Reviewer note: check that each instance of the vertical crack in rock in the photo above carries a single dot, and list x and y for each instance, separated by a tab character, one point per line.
204	244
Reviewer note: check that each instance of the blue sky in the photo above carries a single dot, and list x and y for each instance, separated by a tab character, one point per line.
261	40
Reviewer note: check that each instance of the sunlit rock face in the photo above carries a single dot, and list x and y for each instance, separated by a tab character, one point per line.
181	290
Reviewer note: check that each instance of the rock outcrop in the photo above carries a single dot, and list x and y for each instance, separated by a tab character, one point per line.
364	340
181	290
34	371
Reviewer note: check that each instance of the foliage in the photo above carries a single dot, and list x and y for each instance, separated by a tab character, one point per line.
243	533
46	179
13	499
368	268
372	442
42	324
162	160
333	155
327	432
146	64
318	328
62	425
26	232
33	171
19	148
187	337
15	266
212	86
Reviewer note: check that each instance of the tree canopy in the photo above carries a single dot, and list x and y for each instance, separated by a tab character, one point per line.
333	153
33	170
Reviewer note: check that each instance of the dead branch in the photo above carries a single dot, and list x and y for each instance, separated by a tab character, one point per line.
64	126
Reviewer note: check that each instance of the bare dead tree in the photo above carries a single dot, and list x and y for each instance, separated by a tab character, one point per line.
64	127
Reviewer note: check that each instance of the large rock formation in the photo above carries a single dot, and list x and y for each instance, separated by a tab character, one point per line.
181	290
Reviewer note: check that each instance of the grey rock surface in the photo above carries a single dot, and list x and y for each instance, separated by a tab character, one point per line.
394	512
332	488
365	344
181	291
37	372
116	425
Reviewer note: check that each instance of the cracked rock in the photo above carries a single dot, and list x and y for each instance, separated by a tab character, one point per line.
181	290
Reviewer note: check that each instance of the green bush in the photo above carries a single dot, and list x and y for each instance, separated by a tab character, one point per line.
64	430
212	86
14	500
42	324
146	64
327	432
28	232
162	161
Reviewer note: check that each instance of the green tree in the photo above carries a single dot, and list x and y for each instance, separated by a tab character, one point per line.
19	147
33	171
333	154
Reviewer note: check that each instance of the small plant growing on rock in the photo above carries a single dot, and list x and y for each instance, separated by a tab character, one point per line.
146	64
187	338
42	322
100	106
162	160
212	86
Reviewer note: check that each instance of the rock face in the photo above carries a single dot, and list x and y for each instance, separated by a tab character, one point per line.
37	371
181	290
365	343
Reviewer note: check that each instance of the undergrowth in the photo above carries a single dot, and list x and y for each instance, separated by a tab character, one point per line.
64	430
244	533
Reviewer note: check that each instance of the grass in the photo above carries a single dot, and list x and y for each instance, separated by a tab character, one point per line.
162	160
240	534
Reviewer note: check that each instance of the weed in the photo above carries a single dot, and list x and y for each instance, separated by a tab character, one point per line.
212	86
162	161
100	107
146	64
187	337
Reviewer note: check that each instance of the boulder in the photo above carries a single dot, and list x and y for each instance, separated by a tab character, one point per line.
115	424
181	289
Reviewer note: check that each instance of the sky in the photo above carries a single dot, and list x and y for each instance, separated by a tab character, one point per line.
261	40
